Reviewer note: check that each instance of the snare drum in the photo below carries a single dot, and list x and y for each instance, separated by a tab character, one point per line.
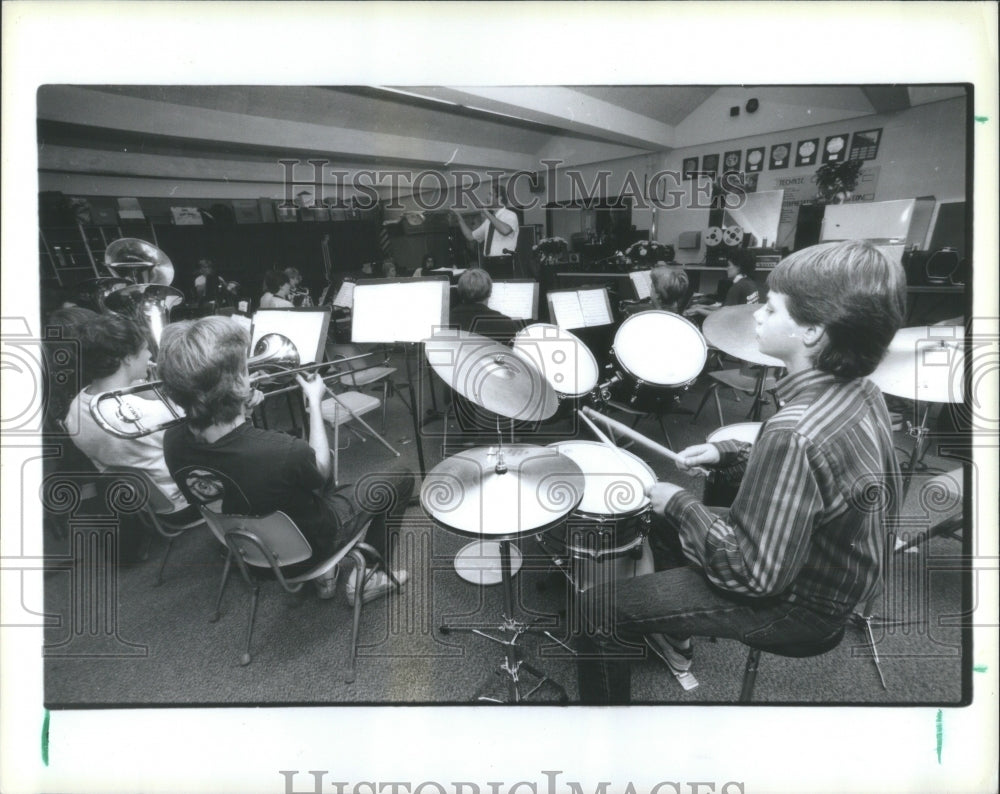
720	491
564	361
656	352
605	537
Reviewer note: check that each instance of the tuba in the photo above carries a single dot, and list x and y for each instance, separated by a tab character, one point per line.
139	260
149	304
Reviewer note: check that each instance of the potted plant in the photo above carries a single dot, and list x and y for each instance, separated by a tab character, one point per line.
836	181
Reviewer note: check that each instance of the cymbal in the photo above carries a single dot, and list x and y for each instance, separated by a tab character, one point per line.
491	375
924	363
732	329
466	494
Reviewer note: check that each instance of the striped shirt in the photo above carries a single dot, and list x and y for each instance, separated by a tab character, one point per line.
821	485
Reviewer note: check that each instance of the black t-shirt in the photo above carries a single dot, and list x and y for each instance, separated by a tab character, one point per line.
270	471
478	318
742	292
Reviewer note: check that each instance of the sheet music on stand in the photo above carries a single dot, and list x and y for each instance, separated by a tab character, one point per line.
345	296
580	308
517	298
390	310
642	283
306	328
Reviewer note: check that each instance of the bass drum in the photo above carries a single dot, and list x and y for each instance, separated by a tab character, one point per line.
562	358
720	491
657	353
605	537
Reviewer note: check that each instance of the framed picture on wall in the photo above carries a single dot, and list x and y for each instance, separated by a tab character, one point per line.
755	159
779	155
689	168
710	165
864	145
835	148
731	161
805	152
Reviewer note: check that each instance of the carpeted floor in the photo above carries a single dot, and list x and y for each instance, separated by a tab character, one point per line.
117	640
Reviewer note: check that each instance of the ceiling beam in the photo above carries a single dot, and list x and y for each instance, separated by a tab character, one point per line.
562	108
887	98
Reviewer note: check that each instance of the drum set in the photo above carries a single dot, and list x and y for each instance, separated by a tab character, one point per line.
585	502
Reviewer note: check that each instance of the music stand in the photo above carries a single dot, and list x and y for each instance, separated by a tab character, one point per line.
400	311
517	298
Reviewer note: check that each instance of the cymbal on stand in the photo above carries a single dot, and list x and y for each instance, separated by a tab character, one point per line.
491	375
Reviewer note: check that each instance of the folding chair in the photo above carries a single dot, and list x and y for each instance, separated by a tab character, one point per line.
274	541
157	509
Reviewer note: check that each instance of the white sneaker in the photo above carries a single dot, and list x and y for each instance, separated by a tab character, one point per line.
377	586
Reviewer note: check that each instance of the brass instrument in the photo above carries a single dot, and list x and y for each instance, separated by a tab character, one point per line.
275	356
146	303
139	260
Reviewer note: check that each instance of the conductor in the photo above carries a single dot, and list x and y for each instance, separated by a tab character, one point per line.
498	233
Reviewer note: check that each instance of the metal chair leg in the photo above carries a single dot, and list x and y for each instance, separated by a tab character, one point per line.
359	566
222	587
750	675
163	563
718	406
254	593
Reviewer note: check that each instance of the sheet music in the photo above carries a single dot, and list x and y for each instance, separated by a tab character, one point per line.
566	309
399	311
642	280
345	295
516	299
595	307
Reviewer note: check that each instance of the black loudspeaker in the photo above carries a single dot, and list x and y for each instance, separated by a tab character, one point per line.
809	226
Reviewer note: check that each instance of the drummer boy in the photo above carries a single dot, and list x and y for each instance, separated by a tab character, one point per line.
801	545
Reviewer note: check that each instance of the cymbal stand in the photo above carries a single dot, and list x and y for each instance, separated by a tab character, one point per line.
517	672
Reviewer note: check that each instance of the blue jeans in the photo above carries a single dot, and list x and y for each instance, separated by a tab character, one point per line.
682	602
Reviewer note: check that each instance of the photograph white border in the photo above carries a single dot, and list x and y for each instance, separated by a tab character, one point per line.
768	749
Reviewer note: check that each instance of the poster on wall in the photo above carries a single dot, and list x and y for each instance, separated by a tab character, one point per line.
805	154
689	168
835	148
755	159
710	165
779	155
864	145
731	161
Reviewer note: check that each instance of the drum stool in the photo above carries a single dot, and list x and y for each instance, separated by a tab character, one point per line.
797	650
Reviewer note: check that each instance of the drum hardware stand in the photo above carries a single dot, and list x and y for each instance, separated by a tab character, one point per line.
513	665
412	405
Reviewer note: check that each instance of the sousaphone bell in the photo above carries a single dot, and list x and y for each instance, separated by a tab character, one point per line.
139	260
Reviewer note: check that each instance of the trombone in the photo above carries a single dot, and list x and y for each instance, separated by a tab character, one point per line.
275	356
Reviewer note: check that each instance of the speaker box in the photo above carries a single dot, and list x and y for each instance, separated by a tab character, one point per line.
688	241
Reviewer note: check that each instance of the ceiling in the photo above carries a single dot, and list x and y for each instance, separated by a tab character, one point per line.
227	138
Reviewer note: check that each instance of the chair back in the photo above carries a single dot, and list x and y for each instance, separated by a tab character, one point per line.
254	537
202	485
155	499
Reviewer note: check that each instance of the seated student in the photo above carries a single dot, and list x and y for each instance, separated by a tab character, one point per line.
295	292
115	351
802	543
473	315
670	288
740	269
276	291
63	381
203	364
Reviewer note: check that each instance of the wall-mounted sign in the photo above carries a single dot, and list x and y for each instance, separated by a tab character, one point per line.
710	165
755	159
864	145
805	152
779	155
835	148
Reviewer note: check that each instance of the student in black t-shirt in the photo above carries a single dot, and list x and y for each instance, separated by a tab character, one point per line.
472	314
740	269
203	364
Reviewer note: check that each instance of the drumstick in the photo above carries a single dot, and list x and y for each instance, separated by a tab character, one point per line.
639	438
